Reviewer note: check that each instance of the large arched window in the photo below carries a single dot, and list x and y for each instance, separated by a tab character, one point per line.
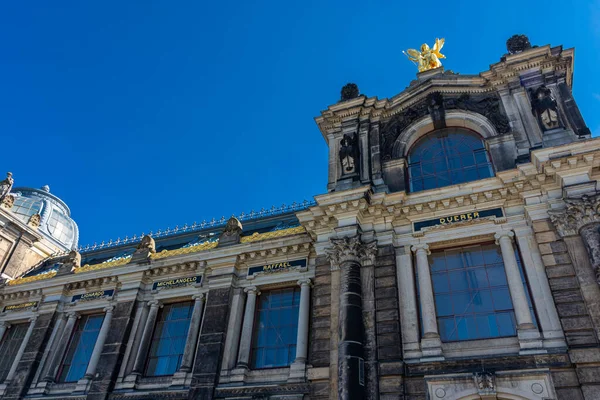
447	157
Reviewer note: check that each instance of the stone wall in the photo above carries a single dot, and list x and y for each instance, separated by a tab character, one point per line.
112	353
31	357
573	296
210	344
320	328
389	341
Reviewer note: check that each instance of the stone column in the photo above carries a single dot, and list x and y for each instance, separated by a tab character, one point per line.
48	351
17	359
4	326
61	347
302	337
515	284
192	336
247	327
91	368
409	316
431	344
140	359
348	253
139	322
529	337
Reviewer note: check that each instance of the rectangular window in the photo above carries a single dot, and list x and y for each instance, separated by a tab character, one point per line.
168	340
79	350
276	328
472	298
13	337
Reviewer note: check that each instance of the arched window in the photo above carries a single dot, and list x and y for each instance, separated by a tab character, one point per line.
447	157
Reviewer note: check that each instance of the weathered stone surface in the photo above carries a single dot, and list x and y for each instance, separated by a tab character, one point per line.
569	394
565	378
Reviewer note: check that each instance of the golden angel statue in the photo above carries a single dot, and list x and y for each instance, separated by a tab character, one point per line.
428	58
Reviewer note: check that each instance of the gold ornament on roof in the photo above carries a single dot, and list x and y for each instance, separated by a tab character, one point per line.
428	58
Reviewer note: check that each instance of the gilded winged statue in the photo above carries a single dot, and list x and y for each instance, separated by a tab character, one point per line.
428	58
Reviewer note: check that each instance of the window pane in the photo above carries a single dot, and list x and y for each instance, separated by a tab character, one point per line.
168	340
275	328
471	293
80	348
447	157
9	347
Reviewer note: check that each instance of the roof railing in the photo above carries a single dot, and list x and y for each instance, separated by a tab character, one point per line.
213	223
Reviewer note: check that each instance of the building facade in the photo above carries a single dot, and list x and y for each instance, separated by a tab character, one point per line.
455	256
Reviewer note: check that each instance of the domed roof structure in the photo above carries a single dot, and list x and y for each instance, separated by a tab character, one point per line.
55	216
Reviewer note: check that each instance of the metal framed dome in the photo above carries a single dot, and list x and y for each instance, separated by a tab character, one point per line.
55	216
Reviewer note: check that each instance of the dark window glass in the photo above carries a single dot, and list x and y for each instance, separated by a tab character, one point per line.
275	329
168	341
80	348
9	347
447	157
471	293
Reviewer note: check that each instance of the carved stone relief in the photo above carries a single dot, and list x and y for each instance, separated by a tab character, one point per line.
581	217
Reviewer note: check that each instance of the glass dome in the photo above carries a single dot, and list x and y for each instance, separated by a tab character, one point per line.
56	222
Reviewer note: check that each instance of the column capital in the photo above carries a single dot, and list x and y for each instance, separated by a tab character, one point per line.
5	324
252	290
109	309
509	234
351	248
73	315
198	297
420	247
577	213
305	282
154	303
33	318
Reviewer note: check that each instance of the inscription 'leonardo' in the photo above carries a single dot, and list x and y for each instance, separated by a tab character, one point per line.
494	212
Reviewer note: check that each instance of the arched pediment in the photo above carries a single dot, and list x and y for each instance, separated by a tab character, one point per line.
483	114
454	119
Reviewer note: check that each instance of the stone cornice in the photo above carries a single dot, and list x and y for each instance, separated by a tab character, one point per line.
550	170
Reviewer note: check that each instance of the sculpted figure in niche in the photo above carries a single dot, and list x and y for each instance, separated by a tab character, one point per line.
544	107
349	154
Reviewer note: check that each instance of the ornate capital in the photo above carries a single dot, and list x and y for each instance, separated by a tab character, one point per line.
577	214
154	303
304	282
109	309
351	248
509	234
198	297
252	290
485	383
73	315
421	247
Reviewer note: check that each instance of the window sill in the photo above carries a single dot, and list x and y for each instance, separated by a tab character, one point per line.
133	382
482	347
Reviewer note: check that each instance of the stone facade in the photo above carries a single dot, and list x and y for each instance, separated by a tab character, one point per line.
369	309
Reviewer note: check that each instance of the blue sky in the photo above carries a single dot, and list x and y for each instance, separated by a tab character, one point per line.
148	114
